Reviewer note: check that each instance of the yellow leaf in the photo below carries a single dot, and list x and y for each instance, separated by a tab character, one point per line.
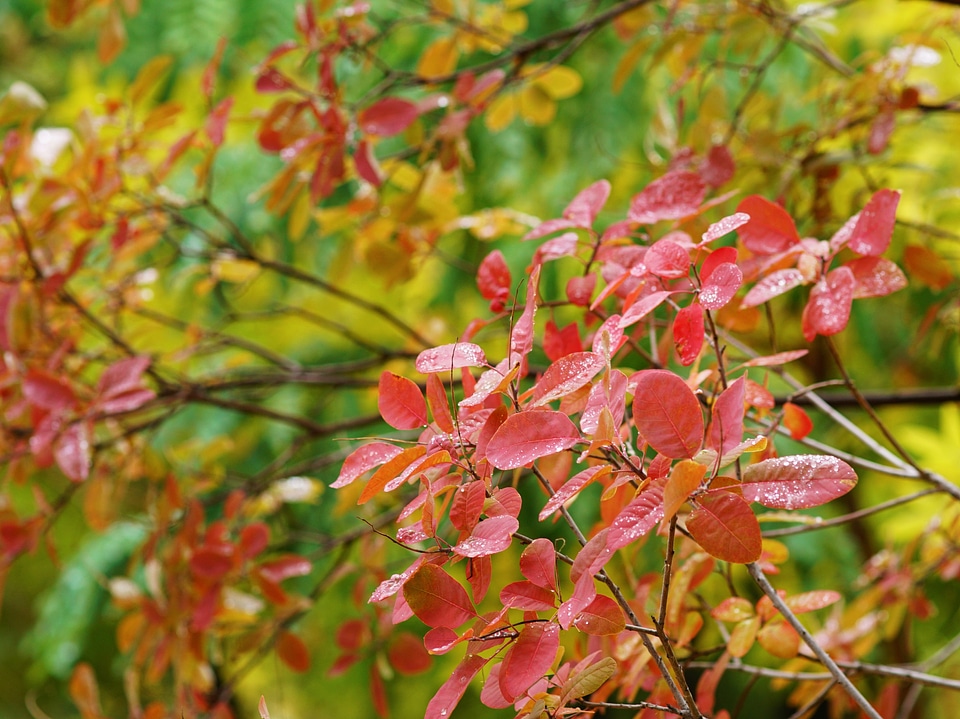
501	112
299	218
231	269
439	59
559	82
536	106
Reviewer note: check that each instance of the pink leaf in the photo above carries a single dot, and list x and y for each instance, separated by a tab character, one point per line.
72	452
667	259
872	233
580	289
452	691
490	695
387	117
812	601
490	536
521	336
479	574
718	168
527	596
688	333
591	558
529	435
720	287
467	506
583	209
401	402
567	374
567	492
440	640
123	376
638	517
725	226
642	307
676	195
723	524
667	413
436	598
448	357
716	258
530	657
726	429
388	587
583	593
363	459
41	389
797	482
776	283
217	121
563	246
609	394
546	228
776	359
538	563
366	163
876	277
770	229
493	277
828	309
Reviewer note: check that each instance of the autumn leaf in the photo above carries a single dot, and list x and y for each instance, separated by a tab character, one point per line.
723	524
797	482
667	413
401	402
530	435
436	598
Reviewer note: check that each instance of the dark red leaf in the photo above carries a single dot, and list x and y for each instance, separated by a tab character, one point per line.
602	617
529	435
828	309
667	413
723	524
872	233
797	482
583	209
770	229
401	402
688	333
254	538
674	196
530	657
490	536
720	287
436	598
386	117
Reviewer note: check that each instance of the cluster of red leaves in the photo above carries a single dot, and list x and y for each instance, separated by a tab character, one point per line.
662	446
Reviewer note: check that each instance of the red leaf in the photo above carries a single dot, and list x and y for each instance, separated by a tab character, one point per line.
390	471
123	376
293	652
366	163
212	561
272	80
667	414
439	406
529	435
726	429
436	598
776	283
289	565
720	287
467	506
213	67
715	259
828	309
538	563
559	343
602	617
527	596
401	402
407	655
723	524
447	357
254	538
43	390
797	482
583	209
217	121
530	657
493	277
490	695
872	233
676	195
718	168
770	229
688	333
450	694
580	289
567	374
363	459
642	307
638	517
490	536
387	117
521	336
72	452
776	359
876	277
796	420
667	259
479	574
441	640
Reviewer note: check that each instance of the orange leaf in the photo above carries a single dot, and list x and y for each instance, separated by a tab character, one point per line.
84	691
685	477
292	651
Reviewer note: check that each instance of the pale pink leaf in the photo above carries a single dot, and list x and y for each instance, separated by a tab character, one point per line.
567	374
642	307
583	209
452	356
72	452
774	284
490	536
876	277
725	226
548	227
797	482
776	359
676	195
527	436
